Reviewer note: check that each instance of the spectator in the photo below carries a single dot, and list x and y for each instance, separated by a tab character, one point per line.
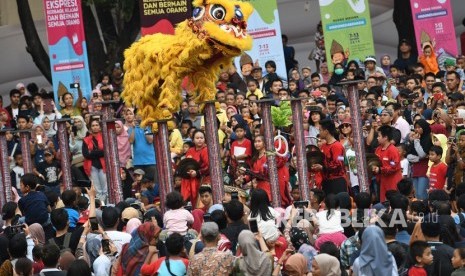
143	152
326	265
50	258
124	148
374	259
134	253
79	268
34	205
17	248
234	211
110	221
49	171
211	261
94	161
63	239
420	253
458	261
176	219
23	267
173	263
34	234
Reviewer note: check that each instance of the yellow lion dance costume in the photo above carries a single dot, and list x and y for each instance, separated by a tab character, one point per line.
156	64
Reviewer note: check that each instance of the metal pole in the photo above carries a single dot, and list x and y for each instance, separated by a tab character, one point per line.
24	138
359	145
164	166
5	189
213	142
63	142
269	144
115	192
300	149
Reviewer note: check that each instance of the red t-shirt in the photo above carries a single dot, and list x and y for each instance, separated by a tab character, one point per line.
334	160
390	172
437	176
417	271
239	147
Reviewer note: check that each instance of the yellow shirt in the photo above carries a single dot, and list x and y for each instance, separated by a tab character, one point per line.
176	141
257	92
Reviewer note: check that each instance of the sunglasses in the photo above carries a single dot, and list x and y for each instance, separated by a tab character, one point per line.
345	125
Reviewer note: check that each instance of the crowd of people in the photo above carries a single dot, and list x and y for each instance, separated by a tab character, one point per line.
411	222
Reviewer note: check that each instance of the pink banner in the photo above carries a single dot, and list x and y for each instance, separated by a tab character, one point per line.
434	23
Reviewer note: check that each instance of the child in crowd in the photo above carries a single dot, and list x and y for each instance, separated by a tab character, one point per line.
438	170
420	253
136	185
404	164
33	205
177	183
17	171
428	58
241	149
306	77
176	219
252	86
83	205
69	199
149	191
458	262
49	172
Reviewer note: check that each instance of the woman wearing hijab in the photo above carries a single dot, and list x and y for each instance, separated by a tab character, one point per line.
296	265
253	261
301	244
124	147
134	253
375	258
35	232
241	122
421	142
326	265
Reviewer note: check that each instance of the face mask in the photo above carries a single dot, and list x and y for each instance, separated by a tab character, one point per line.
339	71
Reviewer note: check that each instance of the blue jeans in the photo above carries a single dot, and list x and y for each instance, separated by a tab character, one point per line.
421	185
99	179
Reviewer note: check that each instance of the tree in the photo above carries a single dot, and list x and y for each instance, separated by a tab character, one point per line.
112	28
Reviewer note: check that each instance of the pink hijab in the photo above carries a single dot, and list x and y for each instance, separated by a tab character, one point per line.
124	147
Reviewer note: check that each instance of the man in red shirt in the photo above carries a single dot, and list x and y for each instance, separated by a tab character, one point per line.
334	179
438	170
390	172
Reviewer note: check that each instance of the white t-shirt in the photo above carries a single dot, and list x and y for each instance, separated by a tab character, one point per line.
262	224
119	238
331	225
404	164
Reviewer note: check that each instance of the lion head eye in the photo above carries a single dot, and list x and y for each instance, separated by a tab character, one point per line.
198	13
238	13
217	12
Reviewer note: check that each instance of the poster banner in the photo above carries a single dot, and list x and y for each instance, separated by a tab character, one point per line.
263	26
161	16
347	30
67	48
433	23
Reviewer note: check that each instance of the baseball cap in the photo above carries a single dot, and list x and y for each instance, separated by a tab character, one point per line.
255	68
139	172
129	213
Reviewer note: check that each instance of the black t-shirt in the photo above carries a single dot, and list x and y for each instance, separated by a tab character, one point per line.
442	255
50	172
73	242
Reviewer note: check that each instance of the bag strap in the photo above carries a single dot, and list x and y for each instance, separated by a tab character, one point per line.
52	241
67	240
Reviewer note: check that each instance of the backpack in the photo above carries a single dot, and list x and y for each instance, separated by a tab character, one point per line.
65	242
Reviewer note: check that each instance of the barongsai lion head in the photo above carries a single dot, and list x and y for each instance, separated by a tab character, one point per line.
223	23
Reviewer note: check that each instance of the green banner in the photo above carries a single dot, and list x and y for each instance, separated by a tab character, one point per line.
347	30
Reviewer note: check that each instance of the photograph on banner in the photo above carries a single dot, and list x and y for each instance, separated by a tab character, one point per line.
264	27
434	29
67	49
162	16
347	31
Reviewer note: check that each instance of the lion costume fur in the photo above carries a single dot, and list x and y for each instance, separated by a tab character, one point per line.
156	64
